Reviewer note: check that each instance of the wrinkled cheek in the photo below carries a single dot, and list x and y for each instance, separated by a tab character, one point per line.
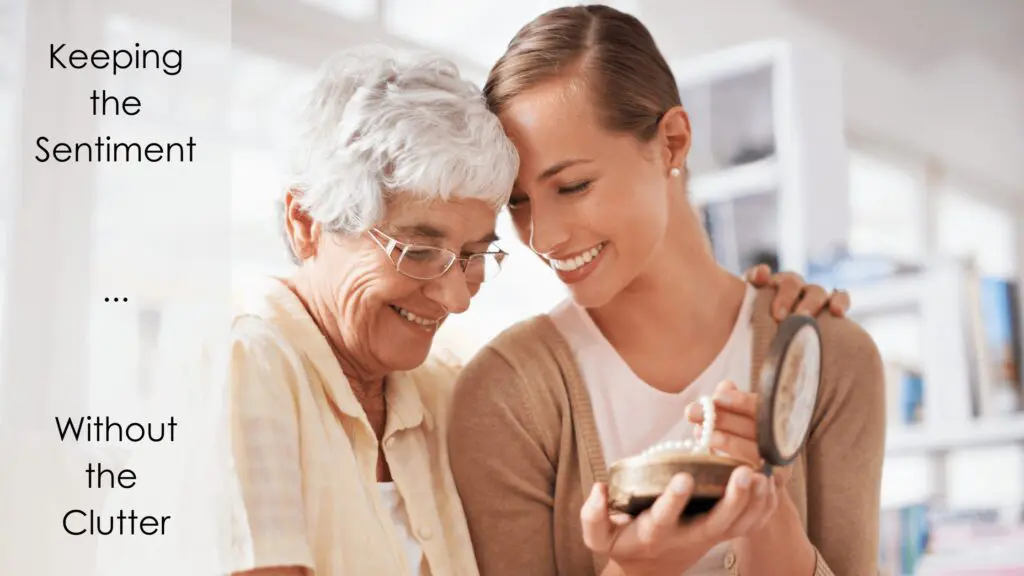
356	303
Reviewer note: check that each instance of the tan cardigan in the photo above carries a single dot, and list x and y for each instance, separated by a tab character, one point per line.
525	451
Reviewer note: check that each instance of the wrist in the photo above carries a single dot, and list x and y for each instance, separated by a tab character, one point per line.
780	547
666	564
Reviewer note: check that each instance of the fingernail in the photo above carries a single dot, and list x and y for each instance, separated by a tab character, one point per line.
780	313
724	400
803	312
762	486
679	484
744	478
694	411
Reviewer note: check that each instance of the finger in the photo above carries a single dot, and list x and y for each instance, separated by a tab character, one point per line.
664	514
727	397
788	294
736	424
772	504
760	275
598	529
741	448
812	300
732	505
757	508
839	303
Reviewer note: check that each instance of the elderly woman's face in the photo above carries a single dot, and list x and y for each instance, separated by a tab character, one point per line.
383	315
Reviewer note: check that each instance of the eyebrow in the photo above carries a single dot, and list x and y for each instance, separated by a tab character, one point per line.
430	231
556	168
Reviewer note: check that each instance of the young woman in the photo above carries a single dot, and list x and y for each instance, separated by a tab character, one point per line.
652	323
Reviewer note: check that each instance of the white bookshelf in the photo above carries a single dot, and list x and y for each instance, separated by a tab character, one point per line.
768	159
768	168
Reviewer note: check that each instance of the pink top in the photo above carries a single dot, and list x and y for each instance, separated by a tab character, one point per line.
631	415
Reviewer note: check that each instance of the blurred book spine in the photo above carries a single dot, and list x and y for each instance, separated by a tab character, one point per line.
904	539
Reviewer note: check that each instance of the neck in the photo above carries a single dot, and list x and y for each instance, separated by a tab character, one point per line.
681	309
367	383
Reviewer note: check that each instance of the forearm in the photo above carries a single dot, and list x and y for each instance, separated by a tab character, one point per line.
781	548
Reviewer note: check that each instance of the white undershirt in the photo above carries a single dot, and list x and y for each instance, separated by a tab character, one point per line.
393	502
630	414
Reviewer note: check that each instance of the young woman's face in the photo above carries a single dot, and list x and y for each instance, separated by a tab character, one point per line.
593	204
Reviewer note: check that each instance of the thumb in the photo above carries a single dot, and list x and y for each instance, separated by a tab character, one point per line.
598	528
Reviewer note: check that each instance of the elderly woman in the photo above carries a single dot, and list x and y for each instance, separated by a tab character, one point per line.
338	418
338	423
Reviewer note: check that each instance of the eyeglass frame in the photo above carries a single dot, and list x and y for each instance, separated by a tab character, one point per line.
454	257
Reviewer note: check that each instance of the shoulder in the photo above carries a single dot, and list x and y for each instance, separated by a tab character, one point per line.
258	341
253	358
531	350
435	381
522	372
846	346
852	373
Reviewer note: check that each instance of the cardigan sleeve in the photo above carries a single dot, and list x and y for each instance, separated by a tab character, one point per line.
503	467
845	450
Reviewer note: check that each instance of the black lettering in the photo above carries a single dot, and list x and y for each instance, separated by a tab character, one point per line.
99	59
46	153
68	515
69	424
78	59
54	58
62	152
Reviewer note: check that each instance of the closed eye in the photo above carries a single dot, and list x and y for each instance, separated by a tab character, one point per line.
580	187
514	203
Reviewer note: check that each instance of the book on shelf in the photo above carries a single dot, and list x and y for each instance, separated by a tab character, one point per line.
904	400
994	318
904	535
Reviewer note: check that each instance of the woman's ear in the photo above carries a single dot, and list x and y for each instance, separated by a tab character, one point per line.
302	231
674	131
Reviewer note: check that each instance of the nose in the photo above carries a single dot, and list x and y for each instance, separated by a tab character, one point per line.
547	230
451	290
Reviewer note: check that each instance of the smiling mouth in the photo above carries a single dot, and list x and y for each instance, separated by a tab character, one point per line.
425	323
578	261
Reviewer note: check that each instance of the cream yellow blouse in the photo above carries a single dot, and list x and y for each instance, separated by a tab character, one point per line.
304	454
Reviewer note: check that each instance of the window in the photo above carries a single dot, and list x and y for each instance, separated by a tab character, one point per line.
970	228
886	210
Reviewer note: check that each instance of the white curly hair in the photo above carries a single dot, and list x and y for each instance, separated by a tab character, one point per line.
381	122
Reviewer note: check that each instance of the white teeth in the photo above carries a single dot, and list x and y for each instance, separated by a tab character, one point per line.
416	319
577	262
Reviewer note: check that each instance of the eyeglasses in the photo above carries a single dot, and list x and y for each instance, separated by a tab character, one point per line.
430	262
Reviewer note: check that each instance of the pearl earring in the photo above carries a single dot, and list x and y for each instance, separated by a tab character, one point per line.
674	172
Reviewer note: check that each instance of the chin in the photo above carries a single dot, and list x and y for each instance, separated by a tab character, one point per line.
407	358
594	294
